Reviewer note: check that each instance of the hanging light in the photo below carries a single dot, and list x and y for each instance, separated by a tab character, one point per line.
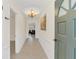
32	12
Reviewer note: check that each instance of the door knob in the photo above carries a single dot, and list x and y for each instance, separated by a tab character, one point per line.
55	40
6	18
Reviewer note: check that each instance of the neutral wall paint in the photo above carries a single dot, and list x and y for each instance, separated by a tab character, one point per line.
6	30
20	31
46	38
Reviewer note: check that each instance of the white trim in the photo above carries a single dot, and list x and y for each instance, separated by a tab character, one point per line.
74	5
64	8
69	4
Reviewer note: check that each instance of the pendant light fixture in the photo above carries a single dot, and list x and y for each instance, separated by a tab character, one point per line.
32	12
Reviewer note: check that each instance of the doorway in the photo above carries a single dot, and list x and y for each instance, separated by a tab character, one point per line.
32	30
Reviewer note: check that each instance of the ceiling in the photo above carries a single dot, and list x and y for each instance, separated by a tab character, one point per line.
23	5
41	5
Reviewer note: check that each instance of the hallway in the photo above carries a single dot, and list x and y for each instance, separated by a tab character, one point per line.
31	50
51	21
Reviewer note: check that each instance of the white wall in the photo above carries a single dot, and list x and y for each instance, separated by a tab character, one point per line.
6	28
6	31
46	38
20	31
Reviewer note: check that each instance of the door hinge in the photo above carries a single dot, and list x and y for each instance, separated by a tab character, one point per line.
2	7
6	18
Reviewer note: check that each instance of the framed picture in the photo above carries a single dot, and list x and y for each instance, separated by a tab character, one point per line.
43	23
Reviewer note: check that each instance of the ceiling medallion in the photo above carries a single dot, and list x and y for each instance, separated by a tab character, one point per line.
32	12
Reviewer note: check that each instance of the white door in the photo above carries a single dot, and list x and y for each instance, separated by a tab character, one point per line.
65	35
65	38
